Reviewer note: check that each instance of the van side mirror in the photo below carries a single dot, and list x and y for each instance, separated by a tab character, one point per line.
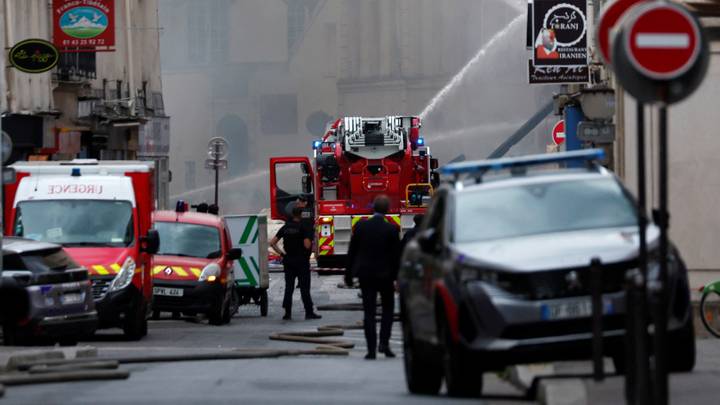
428	240
151	243
234	254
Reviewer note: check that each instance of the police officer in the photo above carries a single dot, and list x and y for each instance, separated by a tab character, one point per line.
297	241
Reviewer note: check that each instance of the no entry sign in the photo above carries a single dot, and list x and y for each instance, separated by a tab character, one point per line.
663	42
609	16
558	132
658	52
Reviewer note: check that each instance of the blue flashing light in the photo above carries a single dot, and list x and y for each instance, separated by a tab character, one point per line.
421	142
75	172
317	144
531	160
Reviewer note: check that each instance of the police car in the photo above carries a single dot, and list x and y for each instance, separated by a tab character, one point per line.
499	272
192	271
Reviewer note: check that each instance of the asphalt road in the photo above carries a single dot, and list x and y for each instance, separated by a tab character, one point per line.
300	380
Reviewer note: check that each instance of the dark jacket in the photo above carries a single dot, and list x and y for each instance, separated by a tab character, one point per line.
374	250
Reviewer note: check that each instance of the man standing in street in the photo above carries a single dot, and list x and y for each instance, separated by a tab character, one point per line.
297	241
410	233
374	257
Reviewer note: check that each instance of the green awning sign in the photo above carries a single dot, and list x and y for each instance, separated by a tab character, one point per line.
34	56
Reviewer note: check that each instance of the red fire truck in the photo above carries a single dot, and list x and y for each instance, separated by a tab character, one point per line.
100	211
356	160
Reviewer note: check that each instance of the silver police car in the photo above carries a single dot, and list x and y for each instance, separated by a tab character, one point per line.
499	272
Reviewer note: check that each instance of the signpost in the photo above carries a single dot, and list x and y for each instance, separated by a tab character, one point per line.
33	56
609	17
217	150
558	132
660	56
84	25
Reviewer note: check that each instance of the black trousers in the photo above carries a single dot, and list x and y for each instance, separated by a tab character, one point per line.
370	289
300	270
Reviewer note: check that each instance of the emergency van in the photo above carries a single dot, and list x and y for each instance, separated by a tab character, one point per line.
100	212
193	268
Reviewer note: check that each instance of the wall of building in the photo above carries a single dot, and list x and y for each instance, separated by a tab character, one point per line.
23	19
694	158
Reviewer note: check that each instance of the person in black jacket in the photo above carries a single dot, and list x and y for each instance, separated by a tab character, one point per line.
297	241
374	258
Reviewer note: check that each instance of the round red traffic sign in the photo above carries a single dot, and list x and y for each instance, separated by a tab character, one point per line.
558	132
663	41
609	17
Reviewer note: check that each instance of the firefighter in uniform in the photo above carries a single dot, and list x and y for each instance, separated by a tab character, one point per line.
297	242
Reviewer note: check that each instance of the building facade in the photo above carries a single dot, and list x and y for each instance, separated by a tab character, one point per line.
103	105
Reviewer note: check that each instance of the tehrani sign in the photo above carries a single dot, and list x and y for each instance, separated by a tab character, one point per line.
560	32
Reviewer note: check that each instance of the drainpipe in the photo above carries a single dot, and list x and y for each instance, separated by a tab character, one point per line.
130	60
9	41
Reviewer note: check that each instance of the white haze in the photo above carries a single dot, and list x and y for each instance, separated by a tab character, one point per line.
483	98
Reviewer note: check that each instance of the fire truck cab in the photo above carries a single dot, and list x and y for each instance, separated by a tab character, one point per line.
100	212
357	159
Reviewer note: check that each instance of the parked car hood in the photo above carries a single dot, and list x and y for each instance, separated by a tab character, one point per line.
558	250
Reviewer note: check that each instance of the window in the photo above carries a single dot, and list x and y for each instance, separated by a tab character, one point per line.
76	222
180	239
539	208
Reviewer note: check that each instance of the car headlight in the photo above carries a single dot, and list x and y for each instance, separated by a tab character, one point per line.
210	273
124	276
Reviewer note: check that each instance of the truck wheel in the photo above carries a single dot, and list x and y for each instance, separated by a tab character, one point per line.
135	323
462	378
422	376
682	356
264	303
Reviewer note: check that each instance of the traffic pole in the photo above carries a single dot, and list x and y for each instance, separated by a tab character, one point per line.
660	386
637	378
217	173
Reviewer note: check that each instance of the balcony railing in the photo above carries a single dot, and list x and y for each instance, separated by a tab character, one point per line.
76	66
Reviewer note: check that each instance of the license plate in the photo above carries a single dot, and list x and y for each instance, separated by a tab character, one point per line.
170	292
569	310
71	298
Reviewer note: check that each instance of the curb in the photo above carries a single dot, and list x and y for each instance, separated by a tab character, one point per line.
25	355
569	391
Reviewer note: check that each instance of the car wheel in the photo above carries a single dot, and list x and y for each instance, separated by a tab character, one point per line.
462	378
216	314
264	303
227	312
682	356
11	336
422	375
618	360
135	323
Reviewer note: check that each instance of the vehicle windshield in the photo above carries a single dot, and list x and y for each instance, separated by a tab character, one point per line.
76	222
542	208
179	239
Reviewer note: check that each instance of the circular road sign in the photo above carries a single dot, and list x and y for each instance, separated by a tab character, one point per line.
558	132
659	53
217	148
609	16
663	41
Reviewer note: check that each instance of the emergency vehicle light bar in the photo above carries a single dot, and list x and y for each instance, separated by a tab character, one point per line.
531	160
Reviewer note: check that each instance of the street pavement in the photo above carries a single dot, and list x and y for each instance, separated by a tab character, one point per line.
292	380
301	380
